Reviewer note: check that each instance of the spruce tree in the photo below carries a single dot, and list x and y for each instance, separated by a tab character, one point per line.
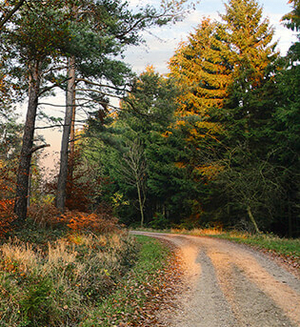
248	114
252	54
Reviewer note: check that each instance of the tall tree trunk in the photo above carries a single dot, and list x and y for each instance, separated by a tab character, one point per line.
26	151
72	143
63	172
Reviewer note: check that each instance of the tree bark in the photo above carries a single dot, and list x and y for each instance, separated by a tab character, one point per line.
26	151
72	142
63	172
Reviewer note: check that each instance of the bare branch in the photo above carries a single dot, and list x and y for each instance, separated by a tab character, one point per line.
46	89
6	18
102	85
39	147
51	126
52	105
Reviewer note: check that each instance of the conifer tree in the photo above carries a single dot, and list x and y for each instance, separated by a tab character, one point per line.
286	132
227	77
203	73
30	47
252	54
102	31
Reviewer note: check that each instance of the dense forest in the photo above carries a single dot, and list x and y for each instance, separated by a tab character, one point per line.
215	142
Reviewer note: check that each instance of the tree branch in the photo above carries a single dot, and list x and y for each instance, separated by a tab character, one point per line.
101	85
39	147
13	11
46	89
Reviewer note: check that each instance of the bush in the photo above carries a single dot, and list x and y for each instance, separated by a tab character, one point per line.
78	221
6	216
44	214
159	221
47	215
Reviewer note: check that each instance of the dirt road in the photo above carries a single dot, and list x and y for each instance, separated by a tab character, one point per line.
231	285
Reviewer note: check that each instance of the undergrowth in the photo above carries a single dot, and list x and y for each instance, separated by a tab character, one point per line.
126	306
56	276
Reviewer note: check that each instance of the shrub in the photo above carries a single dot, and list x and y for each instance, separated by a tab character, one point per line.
78	221
44	214
6	216
159	221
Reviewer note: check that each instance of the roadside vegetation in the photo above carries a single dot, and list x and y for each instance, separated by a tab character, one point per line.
76	270
216	141
137	296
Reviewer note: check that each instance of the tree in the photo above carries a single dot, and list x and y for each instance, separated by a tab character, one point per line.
286	131
226	71
31	44
203	73
199	66
133	171
146	118
110	26
251	56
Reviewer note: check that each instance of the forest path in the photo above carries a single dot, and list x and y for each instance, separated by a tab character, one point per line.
231	285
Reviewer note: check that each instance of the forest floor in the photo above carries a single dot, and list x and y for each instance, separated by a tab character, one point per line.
230	285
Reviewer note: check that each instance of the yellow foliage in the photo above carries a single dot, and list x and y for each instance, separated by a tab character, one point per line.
166	134
180	164
210	171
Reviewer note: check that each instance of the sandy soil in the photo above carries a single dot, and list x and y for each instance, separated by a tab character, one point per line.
231	285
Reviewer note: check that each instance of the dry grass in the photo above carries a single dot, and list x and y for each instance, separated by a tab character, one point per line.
199	231
57	285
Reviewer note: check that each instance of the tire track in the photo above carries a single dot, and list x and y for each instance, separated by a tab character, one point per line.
233	285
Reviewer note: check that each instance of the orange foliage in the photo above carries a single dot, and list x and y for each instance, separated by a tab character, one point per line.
6	201
93	222
210	171
47	215
6	216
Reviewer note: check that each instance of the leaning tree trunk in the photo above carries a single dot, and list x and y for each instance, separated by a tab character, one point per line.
27	150
141	202
63	172
252	220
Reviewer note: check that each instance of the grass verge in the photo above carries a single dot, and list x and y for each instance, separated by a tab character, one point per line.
137	296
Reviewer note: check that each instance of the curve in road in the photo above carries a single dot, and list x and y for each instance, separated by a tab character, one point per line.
232	285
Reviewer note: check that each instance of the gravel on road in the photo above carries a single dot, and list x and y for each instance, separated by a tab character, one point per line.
231	285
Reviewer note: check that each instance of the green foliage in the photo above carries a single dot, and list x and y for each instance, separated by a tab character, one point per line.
226	71
36	304
159	221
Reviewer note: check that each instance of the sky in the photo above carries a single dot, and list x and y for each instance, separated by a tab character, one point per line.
161	43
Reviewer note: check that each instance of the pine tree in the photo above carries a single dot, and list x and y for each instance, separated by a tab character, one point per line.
203	73
226	72
30	48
